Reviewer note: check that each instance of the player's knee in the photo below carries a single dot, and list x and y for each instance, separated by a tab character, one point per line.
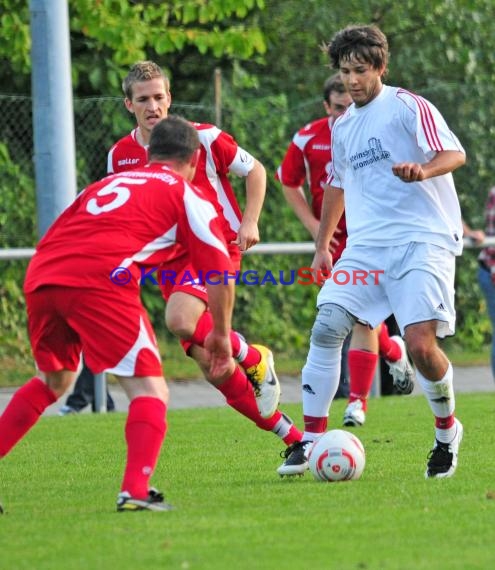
421	344
332	325
179	324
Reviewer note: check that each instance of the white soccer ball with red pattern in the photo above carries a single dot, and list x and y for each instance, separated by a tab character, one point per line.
337	455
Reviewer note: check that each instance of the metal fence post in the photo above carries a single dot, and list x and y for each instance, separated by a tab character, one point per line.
100	393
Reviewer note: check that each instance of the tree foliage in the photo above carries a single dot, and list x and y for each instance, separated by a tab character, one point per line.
107	36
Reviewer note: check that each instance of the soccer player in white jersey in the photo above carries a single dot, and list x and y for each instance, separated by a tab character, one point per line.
308	159
392	161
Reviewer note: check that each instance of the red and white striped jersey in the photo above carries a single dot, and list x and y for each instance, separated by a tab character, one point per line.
129	220
308	159
219	155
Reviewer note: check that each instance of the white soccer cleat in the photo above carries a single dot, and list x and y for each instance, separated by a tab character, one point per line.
401	370
442	459
354	414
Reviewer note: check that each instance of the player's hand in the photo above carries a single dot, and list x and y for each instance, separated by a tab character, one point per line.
409	171
247	235
219	349
335	241
322	261
476	236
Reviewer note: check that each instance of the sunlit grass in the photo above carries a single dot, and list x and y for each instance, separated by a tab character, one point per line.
232	510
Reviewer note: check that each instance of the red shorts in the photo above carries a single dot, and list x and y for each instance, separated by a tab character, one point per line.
181	276
111	328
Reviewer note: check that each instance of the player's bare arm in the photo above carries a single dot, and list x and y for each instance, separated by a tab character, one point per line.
442	163
332	210
248	234
335	241
296	198
476	236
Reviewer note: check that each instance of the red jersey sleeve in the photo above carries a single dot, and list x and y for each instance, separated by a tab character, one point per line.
292	171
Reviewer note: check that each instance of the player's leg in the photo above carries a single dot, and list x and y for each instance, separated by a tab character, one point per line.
82	393
362	361
426	280
125	345
145	431
56	348
435	375
393	350
320	378
239	395
28	404
187	317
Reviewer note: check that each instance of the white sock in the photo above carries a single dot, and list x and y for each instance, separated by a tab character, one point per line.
243	349
282	427
320	380
441	398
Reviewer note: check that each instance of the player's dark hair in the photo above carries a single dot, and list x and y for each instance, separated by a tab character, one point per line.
173	138
368	44
143	71
333	85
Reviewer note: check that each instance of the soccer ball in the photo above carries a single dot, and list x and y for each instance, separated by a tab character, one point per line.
337	455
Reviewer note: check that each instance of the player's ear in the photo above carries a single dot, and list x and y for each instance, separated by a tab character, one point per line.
128	105
195	158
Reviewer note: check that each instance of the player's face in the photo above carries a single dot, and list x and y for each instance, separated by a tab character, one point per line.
150	103
338	104
362	81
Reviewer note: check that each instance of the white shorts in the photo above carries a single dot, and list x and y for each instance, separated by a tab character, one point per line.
414	282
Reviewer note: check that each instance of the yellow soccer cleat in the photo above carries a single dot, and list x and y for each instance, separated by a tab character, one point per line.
265	382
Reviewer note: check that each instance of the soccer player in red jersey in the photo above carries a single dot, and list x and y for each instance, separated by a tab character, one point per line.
308	159
82	293
148	97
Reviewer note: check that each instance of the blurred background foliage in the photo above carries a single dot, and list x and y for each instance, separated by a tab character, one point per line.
269	53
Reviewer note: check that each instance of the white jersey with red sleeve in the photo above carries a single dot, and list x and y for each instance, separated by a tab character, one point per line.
308	160
382	210
124	222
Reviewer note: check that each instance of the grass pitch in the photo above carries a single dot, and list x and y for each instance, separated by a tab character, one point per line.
59	487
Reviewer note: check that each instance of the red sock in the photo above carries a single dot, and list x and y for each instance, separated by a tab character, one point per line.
362	366
315	424
145	431
23	411
444	423
240	395
387	347
253	357
293	435
205	325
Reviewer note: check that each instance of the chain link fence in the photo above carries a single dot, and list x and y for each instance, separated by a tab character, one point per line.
98	123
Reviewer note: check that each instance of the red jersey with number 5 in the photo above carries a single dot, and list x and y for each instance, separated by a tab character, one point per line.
128	220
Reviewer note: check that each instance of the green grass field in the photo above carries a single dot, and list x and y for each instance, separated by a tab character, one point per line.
59	486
